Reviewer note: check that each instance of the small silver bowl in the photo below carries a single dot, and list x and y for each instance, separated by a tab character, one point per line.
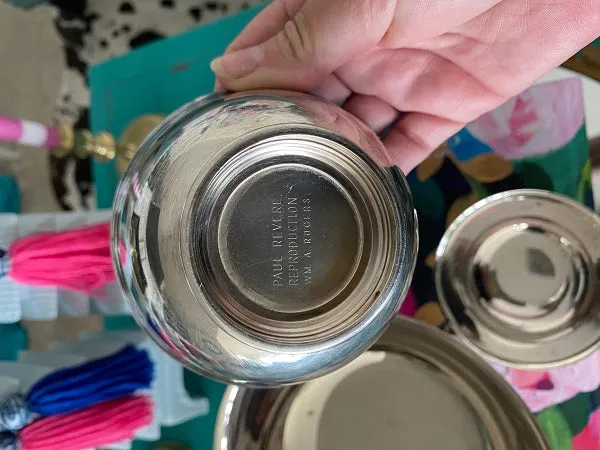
517	276
263	237
417	388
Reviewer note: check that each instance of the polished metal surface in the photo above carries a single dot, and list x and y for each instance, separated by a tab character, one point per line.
517	277
417	388
263	238
304	200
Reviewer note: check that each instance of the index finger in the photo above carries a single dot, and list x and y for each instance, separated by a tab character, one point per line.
266	24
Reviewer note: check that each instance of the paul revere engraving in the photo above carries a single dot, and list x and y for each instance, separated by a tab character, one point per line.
291	240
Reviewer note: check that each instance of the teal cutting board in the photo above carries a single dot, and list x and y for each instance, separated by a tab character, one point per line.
158	79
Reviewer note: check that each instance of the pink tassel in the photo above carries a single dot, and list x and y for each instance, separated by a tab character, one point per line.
77	260
97	426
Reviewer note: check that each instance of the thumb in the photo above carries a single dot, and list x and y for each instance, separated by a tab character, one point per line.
318	39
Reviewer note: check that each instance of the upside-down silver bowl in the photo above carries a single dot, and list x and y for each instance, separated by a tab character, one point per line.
264	237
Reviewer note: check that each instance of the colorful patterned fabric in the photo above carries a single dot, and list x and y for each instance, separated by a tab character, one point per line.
535	140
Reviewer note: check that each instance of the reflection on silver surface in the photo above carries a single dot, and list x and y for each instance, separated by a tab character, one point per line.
263	237
516	275
417	388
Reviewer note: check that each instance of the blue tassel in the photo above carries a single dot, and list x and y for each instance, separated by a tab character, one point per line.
75	388
78	387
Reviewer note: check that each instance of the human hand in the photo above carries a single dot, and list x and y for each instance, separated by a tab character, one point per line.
429	66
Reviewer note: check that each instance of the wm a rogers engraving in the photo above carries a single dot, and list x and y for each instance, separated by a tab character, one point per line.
263	238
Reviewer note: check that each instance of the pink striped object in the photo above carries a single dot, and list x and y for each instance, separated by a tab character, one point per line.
28	133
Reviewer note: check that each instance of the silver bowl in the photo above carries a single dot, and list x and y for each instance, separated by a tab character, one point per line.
417	388
517	277
264	237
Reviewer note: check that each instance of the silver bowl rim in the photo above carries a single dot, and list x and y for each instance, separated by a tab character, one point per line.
445	297
510	408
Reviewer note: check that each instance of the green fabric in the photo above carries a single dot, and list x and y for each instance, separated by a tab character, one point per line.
577	411
559	167
556	429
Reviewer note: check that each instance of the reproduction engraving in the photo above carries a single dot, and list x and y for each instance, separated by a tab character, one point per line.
291	241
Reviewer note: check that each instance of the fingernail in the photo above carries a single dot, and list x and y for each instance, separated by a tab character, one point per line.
238	64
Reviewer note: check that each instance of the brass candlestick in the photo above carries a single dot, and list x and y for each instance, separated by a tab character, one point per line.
103	147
